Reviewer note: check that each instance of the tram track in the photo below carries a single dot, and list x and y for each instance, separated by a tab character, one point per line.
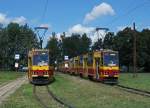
38	98
133	90
62	104
126	88
10	87
129	89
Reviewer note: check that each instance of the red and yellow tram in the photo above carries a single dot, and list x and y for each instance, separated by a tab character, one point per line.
100	65
103	66
40	71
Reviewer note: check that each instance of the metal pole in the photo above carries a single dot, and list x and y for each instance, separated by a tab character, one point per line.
41	42
98	38
97	30
134	52
42	36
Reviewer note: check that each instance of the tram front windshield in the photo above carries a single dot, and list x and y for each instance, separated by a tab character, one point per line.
110	59
41	59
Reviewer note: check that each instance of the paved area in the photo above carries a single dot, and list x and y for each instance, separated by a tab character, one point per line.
11	87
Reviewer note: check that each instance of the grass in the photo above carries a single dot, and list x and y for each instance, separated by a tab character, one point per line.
6	76
142	81
86	94
78	92
22	98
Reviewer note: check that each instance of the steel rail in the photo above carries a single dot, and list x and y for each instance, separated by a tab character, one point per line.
58	99
50	93
134	90
38	98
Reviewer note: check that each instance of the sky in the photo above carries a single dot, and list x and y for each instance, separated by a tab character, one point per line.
76	16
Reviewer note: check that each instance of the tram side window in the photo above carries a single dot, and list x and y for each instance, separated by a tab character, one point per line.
81	61
90	61
76	62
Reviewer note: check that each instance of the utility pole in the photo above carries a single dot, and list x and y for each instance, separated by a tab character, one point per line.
134	52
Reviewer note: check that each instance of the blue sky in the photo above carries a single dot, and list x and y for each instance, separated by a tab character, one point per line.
71	15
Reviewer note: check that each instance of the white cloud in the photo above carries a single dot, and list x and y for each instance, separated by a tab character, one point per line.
20	20
98	11
4	19
90	31
58	36
78	28
120	28
148	27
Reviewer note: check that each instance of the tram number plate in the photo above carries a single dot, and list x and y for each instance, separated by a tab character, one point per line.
40	73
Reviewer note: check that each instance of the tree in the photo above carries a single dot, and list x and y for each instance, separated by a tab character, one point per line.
75	45
71	45
143	49
98	45
108	41
53	46
123	42
85	43
16	39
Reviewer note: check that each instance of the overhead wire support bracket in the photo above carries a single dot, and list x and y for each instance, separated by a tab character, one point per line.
41	37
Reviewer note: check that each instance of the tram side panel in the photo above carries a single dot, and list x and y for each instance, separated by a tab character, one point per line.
97	65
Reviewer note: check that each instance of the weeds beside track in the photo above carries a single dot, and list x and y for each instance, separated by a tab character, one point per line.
51	95
134	90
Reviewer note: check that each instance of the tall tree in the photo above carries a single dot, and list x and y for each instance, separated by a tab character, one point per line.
16	39
123	42
98	45
108	41
75	45
53	46
71	45
85	43
143	49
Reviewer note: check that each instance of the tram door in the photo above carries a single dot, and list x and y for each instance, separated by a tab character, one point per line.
97	64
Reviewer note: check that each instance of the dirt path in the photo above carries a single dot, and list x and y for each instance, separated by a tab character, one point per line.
11	87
